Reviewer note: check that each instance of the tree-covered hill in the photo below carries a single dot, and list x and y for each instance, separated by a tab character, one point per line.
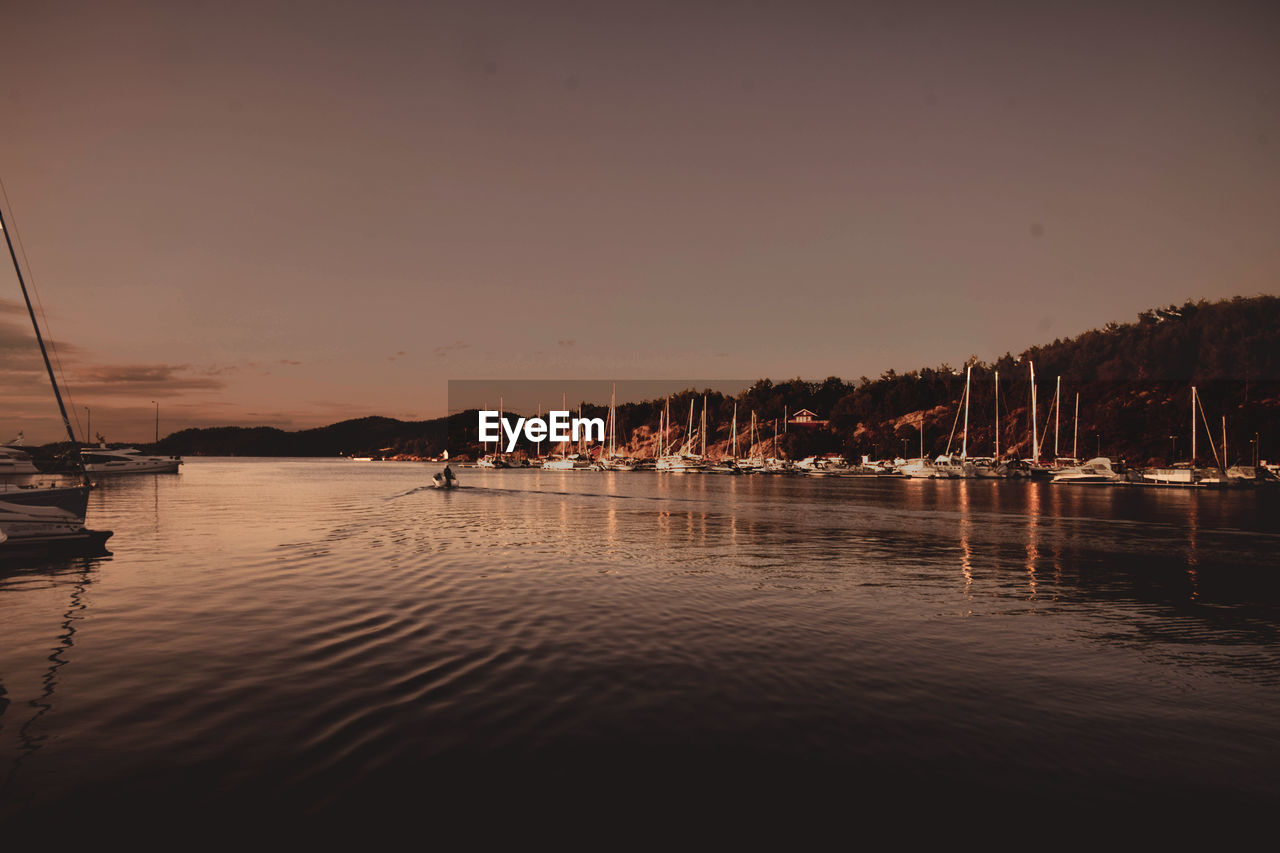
1133	380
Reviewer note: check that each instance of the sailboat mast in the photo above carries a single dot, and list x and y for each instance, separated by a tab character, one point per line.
1057	410
66	421
964	442
734	429
1224	442
1075	437
1193	426
688	435
997	456
613	421
539	440
703	428
1035	442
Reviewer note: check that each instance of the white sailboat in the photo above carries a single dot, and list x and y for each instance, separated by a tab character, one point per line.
41	521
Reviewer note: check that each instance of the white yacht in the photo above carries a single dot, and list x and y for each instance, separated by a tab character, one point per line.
571	462
1096	470
15	461
127	460
952	467
918	469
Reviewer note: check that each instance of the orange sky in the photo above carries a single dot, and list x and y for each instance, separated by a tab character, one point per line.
289	214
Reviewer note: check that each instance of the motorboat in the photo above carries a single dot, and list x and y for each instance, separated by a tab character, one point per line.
1096	470
1185	477
14	461
444	479
918	469
127	460
951	467
42	528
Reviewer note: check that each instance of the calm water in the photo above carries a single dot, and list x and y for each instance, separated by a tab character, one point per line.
312	637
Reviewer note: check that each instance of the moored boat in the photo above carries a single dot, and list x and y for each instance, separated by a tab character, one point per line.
127	460
1096	470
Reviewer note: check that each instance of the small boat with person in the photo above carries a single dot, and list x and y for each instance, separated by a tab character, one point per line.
445	479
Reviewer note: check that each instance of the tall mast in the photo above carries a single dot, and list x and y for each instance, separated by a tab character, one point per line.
703	428
964	442
1035	441
1193	426
997	456
1224	442
1075	437
539	440
734	429
688	435
613	421
1057	410
66	421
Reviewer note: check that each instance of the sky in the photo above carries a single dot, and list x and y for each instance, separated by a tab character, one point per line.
295	213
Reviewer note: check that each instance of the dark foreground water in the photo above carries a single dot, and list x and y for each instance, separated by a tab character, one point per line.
320	638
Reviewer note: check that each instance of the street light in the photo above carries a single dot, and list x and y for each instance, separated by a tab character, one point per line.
1174	456
157	405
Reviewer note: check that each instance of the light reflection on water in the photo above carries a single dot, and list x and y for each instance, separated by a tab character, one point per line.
312	632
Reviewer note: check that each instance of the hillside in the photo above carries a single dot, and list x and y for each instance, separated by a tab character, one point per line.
1133	381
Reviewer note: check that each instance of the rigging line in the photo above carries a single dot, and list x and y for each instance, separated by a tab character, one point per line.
31	276
1209	434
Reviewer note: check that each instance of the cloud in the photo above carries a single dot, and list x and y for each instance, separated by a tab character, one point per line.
19	353
394	357
290	362
9	306
140	379
567	343
446	349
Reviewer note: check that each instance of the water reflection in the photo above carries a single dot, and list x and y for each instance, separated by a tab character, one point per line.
792	616
80	570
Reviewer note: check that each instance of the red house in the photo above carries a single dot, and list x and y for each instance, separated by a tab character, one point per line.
806	418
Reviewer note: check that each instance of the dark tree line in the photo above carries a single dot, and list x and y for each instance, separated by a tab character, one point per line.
1133	380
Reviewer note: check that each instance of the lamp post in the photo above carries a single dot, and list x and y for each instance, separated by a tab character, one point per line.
88	427
157	405
1174	454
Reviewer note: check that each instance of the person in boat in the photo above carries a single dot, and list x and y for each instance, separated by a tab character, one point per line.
447	474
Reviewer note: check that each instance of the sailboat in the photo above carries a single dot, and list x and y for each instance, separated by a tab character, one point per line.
40	521
1178	475
685	460
610	460
947	465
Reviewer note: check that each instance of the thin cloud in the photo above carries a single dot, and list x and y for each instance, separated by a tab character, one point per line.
446	349
568	343
141	379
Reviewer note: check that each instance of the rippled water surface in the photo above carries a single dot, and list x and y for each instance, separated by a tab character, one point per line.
305	636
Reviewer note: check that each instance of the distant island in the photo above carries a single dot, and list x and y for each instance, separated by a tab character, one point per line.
1133	380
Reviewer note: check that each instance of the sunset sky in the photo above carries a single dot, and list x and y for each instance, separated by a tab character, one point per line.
295	213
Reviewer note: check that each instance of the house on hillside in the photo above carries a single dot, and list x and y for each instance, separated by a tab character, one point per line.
806	418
